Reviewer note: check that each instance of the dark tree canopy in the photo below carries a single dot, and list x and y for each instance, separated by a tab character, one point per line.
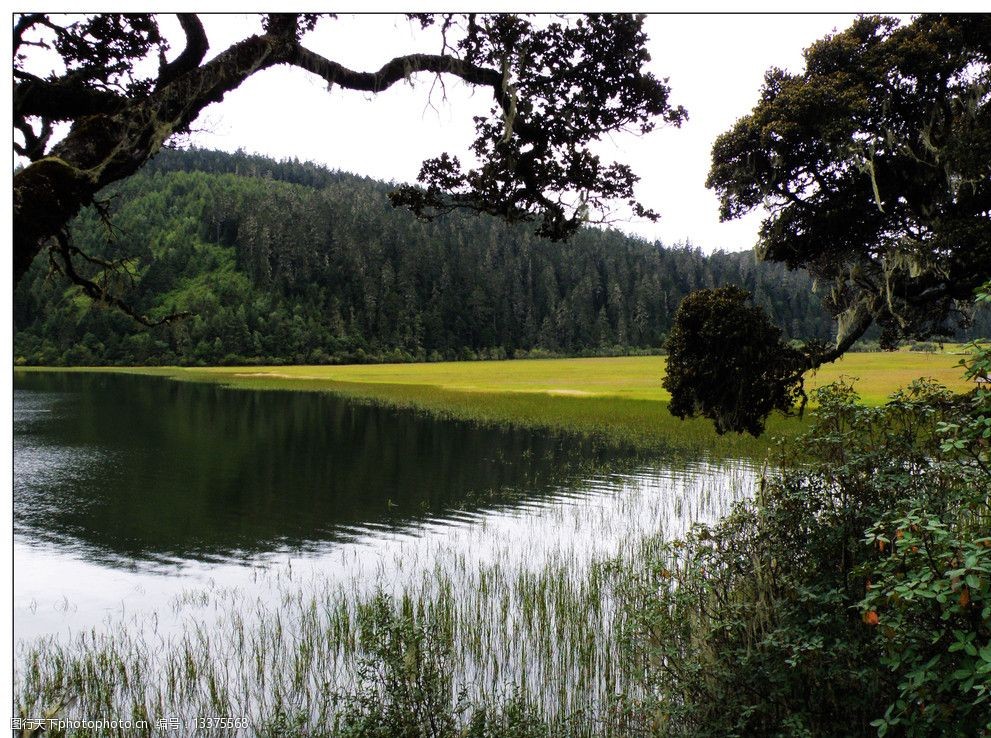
727	362
557	84
875	167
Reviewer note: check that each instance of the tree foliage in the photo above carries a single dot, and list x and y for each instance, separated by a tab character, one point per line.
728	363
563	85
557	86
874	165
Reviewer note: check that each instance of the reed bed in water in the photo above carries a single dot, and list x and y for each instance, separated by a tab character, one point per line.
532	616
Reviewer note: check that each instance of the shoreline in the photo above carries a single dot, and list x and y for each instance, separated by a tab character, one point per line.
617	400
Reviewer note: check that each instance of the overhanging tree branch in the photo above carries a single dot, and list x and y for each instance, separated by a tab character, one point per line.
100	293
196	47
527	167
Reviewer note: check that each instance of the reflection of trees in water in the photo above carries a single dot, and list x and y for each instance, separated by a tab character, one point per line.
193	470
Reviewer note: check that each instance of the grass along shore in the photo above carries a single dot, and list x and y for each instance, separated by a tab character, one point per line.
619	400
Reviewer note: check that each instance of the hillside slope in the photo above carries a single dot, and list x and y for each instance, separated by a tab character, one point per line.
288	262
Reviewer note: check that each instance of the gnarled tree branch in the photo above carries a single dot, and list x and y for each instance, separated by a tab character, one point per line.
399	68
392	71
196	47
99	293
61	99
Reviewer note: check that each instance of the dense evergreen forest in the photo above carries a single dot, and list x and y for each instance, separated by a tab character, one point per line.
289	262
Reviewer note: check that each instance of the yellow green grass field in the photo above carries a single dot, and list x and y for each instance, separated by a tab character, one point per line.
617	399
634	378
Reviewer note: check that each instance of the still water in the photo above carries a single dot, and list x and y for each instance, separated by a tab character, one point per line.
140	499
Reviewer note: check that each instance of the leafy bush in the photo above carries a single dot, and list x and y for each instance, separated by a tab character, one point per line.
405	688
930	596
795	615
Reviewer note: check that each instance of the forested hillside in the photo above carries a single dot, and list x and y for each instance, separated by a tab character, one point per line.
287	262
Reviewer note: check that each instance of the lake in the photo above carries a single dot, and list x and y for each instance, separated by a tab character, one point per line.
180	512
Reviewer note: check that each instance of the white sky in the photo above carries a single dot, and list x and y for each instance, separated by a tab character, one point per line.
715	65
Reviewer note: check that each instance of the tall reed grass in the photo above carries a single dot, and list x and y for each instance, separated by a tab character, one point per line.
526	628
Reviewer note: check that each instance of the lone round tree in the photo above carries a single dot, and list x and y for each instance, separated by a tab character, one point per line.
726	361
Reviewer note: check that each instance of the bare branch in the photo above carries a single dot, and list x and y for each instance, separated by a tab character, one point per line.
94	291
25	23
401	67
34	143
196	47
392	71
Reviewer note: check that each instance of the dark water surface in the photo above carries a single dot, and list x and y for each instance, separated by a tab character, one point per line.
127	468
131	491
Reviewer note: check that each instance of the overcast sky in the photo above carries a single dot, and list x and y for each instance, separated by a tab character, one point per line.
715	64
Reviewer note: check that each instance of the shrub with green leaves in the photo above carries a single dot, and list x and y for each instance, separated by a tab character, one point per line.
405	687
930	596
805	612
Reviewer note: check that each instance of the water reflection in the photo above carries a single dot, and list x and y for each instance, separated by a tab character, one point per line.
126	469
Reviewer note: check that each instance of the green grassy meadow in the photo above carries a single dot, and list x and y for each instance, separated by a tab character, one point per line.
618	399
